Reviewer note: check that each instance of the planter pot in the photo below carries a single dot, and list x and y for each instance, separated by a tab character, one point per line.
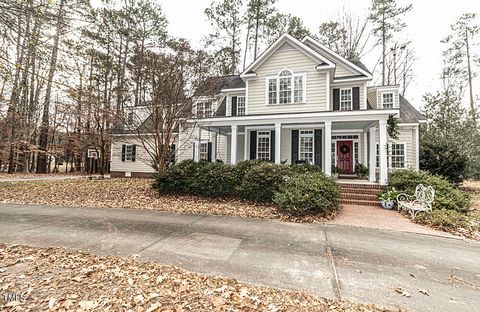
387	204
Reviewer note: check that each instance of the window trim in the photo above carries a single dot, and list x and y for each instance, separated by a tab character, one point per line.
277	78
393	99
309	135
263	134
204	144
340	99
204	109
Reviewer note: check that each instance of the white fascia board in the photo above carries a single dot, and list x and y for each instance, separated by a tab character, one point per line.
352	79
284	38
248	75
233	90
341	58
336	116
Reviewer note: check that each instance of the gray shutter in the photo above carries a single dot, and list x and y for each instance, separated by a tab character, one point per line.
193	151
134	152
294	146
123	151
171	154
318	147
356	98
209	147
234	106
272	146
253	145
336	99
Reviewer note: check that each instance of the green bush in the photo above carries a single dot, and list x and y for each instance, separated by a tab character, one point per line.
242	167
262	181
177	179
443	159
213	180
447	196
305	168
444	219
308	194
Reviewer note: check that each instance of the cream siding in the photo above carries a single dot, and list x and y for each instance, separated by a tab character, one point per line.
396	98
229	100
142	159
297	62
186	144
406	136
342	71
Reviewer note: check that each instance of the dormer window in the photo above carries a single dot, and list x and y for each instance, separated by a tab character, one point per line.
204	109
387	100
286	88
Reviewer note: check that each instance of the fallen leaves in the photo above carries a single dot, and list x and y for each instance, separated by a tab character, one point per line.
108	283
134	194
403	292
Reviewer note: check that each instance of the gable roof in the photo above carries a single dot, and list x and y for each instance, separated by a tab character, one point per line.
214	85
354	65
286	38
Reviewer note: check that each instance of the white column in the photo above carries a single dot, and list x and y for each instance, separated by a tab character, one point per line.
278	140
383	152
365	148
373	155
198	138
417	147
245	145
233	145
214	146
328	148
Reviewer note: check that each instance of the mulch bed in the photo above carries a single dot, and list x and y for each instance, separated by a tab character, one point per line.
55	279
135	194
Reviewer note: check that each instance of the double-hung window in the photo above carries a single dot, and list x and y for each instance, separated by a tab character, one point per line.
130	118
128	152
396	157
263	145
306	142
204	109
286	88
204	151
346	99
240	106
387	100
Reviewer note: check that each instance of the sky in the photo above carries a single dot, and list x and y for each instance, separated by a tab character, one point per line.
427	24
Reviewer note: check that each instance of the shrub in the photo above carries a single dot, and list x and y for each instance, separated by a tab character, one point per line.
242	167
447	196
213	180
305	168
443	159
177	179
444	219
361	170
308	194
262	181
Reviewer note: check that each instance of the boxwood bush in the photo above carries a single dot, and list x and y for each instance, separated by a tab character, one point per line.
242	167
308	193
262	181
447	195
177	179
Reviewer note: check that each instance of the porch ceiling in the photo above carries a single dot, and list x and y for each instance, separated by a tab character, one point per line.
351	125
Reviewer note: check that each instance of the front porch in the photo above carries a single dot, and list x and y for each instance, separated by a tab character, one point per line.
327	143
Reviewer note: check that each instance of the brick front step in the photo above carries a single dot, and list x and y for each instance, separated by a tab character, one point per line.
373	203
360	191
361	186
366	197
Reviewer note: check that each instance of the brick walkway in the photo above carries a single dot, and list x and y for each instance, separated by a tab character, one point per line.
379	218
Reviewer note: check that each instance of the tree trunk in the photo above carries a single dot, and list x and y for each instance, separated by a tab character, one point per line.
43	141
469	69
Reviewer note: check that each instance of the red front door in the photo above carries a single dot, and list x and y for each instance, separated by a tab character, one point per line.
345	156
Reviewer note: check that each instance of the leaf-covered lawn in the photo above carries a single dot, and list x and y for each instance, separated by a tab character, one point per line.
58	280
134	194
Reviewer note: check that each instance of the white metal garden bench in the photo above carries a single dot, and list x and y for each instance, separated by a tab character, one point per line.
421	201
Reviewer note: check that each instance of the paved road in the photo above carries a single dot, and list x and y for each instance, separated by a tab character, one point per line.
354	263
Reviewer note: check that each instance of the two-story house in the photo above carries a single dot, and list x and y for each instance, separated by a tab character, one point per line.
301	102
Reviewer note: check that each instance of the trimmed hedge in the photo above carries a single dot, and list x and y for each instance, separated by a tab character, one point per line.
262	181
447	196
297	189
308	193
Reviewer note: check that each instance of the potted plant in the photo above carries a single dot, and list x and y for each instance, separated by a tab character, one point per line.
387	199
336	171
361	171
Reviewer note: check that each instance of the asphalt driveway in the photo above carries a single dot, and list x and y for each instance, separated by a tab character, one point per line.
365	265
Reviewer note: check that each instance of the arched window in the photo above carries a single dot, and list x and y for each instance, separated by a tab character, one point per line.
286	87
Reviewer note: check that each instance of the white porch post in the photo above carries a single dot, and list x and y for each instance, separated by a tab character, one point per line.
233	145
373	155
328	148
198	138
278	140
365	148
245	144
214	146
383	152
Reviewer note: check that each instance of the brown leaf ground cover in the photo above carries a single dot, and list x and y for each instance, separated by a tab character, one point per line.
133	194
55	279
